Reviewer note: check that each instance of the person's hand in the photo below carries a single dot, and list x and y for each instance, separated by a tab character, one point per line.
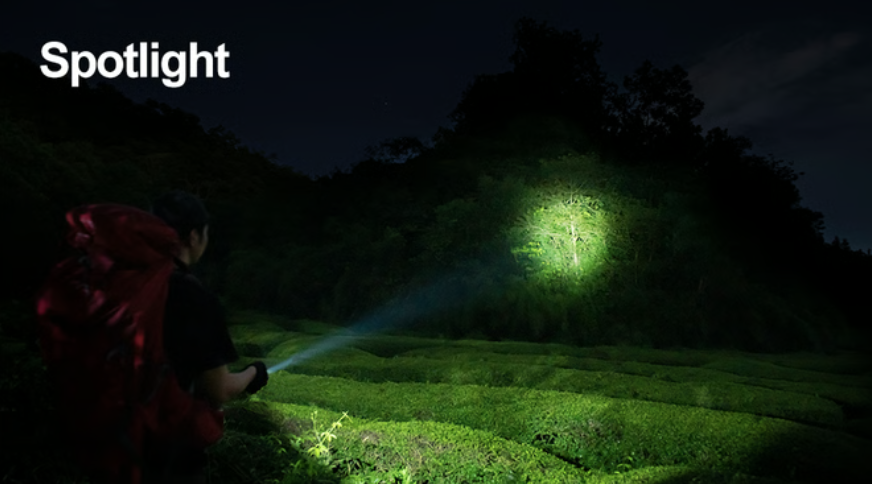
260	378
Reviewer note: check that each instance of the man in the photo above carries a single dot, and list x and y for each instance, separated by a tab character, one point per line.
196	339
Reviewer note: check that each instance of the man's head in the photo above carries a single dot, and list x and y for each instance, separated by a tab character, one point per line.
186	214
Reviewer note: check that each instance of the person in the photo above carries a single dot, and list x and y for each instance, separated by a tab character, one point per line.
196	340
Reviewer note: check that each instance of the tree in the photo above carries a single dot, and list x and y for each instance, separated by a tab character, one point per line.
396	149
845	245
554	73
720	149
653	118
558	72
759	204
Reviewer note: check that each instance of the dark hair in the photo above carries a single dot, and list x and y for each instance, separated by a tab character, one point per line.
181	211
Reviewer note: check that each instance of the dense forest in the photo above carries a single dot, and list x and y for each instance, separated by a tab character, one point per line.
557	207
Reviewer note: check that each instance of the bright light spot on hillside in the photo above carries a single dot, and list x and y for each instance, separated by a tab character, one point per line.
563	236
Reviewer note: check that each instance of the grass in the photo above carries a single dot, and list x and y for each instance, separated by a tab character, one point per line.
423	410
588	431
660	387
434	410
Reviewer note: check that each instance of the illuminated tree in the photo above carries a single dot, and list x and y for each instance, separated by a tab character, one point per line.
564	237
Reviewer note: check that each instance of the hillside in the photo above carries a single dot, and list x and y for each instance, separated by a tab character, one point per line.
532	224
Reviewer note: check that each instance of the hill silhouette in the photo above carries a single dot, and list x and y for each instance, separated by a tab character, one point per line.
557	208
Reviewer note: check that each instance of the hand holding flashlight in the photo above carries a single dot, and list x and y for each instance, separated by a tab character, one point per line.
260	378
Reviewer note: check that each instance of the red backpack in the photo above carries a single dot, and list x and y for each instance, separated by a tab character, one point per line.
100	316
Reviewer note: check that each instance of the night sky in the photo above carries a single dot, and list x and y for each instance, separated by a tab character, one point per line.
316	82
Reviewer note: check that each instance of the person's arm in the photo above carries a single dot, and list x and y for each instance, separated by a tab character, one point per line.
221	386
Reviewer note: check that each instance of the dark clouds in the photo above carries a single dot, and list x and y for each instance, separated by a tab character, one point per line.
754	80
800	89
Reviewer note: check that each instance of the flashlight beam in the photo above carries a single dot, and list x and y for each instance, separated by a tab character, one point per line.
441	295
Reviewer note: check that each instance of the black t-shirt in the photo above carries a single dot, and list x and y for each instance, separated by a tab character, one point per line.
195	330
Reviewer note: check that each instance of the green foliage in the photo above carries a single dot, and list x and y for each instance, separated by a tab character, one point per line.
723	393
319	444
564	233
257	447
422	451
486	414
589	431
